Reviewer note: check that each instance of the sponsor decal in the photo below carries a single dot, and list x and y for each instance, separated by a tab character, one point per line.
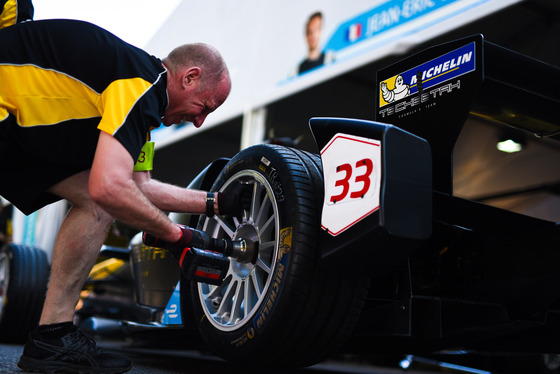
172	314
146	253
273	177
249	334
417	86
285	242
276	184
418	102
265	161
285	245
420	78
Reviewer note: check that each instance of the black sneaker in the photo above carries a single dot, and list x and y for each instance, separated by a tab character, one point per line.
73	353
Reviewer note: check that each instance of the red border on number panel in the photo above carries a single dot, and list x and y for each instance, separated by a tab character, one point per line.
349	138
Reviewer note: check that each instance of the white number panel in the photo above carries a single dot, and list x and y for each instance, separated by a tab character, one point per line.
352	171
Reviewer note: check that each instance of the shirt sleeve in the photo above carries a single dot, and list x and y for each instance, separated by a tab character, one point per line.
130	109
15	11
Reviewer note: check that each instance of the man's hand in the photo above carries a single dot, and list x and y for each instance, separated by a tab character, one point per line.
198	255
192	238
189	238
183	242
235	199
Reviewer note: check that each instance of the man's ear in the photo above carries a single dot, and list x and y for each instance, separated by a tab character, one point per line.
191	75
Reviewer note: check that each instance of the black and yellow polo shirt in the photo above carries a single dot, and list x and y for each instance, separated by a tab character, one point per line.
15	11
61	82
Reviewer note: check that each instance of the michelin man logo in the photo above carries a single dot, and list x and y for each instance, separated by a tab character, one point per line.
400	91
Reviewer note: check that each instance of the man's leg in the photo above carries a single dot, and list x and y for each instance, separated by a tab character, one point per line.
76	248
57	345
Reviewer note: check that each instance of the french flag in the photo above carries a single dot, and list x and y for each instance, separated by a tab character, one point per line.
354	32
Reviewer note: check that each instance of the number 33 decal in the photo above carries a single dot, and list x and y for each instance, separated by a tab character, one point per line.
352	177
356	180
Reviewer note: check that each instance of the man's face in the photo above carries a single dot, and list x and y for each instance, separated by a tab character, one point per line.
193	104
313	33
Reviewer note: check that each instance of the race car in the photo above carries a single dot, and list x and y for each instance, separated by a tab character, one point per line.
362	246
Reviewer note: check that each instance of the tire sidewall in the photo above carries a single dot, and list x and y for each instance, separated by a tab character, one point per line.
6	258
28	273
275	314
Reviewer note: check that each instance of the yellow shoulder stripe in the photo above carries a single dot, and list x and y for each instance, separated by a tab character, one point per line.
39	96
118	99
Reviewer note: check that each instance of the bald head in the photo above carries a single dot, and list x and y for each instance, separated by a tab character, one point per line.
204	56
198	82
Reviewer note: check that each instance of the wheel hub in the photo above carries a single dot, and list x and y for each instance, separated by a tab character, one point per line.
249	233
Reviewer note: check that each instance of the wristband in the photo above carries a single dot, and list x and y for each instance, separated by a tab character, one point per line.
210	199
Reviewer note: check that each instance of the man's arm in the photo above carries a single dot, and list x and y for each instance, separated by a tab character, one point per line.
111	186
172	198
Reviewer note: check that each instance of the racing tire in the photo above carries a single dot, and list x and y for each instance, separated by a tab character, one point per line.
24	273
287	308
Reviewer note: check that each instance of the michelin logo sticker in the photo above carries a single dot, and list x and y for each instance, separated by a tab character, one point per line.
400	91
441	69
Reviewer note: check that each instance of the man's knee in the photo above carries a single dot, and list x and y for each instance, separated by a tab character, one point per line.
104	218
75	189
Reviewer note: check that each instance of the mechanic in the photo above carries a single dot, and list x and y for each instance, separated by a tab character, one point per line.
76	108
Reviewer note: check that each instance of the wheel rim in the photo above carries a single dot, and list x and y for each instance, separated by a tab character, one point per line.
234	302
4	280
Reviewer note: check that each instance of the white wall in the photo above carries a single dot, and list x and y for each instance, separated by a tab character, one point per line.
263	41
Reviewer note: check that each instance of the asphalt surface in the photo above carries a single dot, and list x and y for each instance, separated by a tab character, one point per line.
152	359
165	361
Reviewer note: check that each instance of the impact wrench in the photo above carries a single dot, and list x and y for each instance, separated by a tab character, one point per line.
203	258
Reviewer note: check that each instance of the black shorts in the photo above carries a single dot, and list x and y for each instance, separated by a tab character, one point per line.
26	173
